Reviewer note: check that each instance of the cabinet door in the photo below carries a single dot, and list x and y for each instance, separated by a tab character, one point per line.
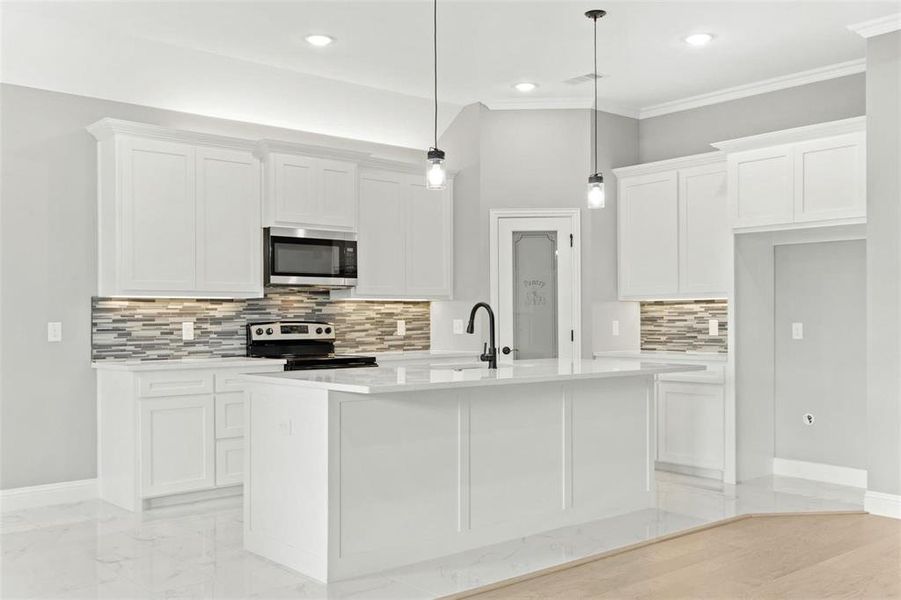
338	194
381	240
229	461
760	187
830	178
230	415
648	236
157	212
690	424
293	189
429	229
229	237
177	445
705	235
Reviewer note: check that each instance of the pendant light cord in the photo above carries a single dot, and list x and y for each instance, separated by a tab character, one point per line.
594	113
435	62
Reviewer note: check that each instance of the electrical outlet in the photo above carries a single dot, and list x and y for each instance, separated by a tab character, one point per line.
187	331
401	327
797	331
713	327
54	331
809	419
614	327
458	326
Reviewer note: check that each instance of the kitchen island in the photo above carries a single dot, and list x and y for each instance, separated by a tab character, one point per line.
351	471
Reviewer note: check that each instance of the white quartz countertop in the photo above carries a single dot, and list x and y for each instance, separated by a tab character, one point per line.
442	376
700	357
187	363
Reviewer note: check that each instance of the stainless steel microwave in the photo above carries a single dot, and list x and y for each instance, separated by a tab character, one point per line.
310	257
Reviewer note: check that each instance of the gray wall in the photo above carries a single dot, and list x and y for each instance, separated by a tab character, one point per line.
49	272
822	286
692	131
536	159
884	263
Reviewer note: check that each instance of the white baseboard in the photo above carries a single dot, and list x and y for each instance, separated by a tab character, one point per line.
45	495
820	472
884	505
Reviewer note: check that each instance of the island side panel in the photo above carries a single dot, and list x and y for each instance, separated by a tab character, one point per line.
423	474
287	475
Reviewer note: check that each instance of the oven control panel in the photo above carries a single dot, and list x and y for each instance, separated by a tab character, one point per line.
290	331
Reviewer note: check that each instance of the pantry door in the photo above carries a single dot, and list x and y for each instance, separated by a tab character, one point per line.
535	284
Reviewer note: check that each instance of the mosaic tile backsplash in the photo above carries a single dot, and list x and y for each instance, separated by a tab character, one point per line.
683	326
151	328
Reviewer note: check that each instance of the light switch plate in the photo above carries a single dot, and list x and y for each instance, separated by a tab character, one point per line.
713	327
54	331
401	327
458	326
187	331
797	331
614	327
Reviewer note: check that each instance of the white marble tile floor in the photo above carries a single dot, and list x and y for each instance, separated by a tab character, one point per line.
95	550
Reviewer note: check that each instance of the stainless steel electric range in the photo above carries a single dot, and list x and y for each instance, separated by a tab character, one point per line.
304	344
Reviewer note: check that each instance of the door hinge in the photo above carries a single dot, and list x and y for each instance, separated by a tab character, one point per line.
572	335
570	240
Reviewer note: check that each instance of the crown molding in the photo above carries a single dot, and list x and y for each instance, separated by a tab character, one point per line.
108	128
843	69
874	27
264	147
560	104
794	135
672	164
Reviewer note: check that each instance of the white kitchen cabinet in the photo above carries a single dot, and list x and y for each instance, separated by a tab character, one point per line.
761	181
804	177
228	221
649	230
704	234
306	191
674	237
178	214
177	443
405	238
690	424
830	178
169	430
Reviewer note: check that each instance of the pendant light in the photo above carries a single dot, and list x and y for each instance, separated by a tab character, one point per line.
596	195
436	173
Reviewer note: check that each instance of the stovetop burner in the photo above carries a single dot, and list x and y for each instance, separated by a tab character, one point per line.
304	344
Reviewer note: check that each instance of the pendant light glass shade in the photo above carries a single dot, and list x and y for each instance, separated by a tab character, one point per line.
436	174
597	197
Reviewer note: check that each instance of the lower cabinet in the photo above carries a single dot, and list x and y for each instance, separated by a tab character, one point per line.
166	432
690	424
176	445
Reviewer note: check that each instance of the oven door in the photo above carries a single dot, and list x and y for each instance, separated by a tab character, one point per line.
310	257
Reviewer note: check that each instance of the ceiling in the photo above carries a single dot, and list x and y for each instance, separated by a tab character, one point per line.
485	47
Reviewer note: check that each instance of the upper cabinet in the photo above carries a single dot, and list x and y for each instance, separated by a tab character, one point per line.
804	177
674	236
308	187
405	236
179	213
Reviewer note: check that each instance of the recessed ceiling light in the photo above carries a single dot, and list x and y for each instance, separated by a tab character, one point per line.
319	40
525	86
699	39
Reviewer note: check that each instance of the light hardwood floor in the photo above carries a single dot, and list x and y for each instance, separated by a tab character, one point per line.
785	556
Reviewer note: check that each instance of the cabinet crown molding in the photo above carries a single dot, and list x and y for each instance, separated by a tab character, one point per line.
874	27
107	128
268	146
797	134
672	164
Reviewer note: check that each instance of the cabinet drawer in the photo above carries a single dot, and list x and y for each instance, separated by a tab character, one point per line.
229	461
230	380
174	383
230	415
